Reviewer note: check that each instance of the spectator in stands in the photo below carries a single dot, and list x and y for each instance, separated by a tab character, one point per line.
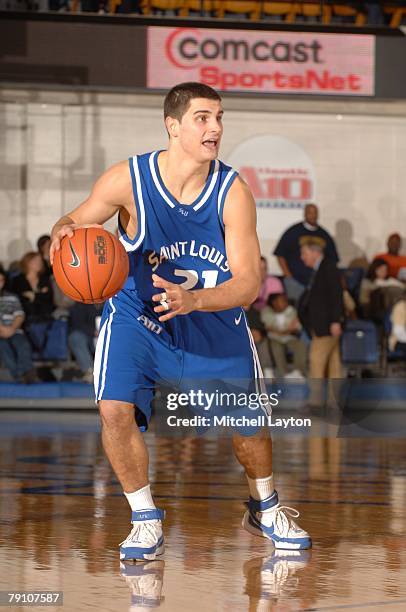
261	341
81	337
397	338
34	289
288	251
321	312
393	259
269	285
43	244
283	328
15	350
377	278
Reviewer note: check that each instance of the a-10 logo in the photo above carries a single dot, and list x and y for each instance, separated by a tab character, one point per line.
100	249
265	184
154	327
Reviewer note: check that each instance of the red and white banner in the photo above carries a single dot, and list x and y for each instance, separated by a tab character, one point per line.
262	61
279	172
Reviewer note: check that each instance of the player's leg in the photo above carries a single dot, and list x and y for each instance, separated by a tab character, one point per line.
124	444
265	516
254	453
126	450
124	358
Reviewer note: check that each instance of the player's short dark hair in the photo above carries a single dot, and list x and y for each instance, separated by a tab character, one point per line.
178	99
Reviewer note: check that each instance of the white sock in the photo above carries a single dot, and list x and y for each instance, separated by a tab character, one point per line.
261	488
141	499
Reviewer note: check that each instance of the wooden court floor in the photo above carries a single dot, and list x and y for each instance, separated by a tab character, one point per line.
62	517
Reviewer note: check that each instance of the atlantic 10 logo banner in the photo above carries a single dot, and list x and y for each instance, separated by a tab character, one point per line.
262	61
282	179
279	172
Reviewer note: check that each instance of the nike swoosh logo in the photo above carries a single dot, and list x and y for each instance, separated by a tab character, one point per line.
237	320
75	263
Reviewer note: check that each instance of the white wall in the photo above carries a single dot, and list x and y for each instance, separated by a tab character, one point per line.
50	153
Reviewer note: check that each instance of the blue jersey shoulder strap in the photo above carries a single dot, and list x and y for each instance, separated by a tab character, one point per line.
227	178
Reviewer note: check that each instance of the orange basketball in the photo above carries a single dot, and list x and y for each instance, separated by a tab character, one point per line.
91	266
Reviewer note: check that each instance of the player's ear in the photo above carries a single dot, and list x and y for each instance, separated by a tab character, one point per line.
172	127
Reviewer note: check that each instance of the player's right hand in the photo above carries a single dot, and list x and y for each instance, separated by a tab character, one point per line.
65	230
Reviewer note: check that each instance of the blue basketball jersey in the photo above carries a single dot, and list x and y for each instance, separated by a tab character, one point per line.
183	244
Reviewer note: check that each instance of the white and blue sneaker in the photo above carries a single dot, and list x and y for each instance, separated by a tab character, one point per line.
146	541
268	519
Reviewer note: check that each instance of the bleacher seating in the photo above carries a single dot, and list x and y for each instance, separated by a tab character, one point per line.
317	11
396	13
326	12
285	11
251	9
348	13
391	13
148	6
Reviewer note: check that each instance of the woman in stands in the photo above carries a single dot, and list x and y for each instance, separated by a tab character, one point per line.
34	289
378	278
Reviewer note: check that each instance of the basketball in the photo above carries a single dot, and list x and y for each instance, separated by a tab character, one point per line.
91	266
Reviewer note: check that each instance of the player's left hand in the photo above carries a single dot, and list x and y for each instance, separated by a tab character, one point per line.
178	300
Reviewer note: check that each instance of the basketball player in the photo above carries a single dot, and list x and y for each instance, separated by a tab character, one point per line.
188	222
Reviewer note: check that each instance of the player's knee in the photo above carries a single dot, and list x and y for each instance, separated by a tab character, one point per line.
116	414
244	446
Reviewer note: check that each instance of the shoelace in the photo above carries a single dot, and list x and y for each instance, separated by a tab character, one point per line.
282	521
135	534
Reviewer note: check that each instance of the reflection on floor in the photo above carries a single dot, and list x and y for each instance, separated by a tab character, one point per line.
62	516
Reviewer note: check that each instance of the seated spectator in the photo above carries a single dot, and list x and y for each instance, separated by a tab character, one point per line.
283	327
34	289
376	278
392	258
261	341
43	244
397	338
15	350
269	285
82	335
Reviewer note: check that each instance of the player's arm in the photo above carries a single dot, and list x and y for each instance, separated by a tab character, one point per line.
111	192
243	254
243	257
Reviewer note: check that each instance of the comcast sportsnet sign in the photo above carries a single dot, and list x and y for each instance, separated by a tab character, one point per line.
262	61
